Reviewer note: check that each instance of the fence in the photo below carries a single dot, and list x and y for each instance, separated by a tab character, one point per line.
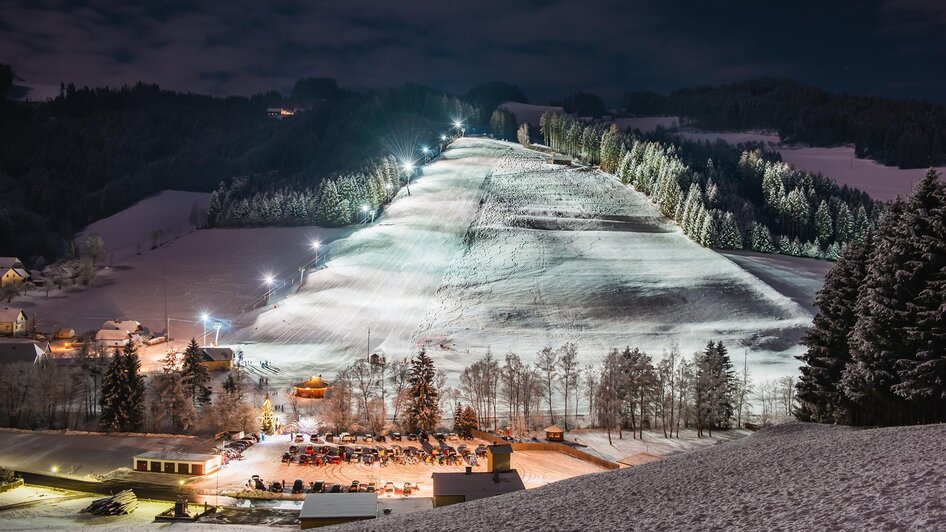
548	446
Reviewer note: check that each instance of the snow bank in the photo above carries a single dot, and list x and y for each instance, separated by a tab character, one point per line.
131	230
791	477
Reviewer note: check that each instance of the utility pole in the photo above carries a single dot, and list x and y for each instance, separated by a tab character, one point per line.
369	344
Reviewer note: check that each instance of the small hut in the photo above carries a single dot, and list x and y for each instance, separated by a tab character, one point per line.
313	388
554	433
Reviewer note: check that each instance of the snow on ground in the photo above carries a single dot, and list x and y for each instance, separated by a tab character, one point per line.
572	255
220	271
790	477
647	124
881	182
527	112
799	278
131	230
80	454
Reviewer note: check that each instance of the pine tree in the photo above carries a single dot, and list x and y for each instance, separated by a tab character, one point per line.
823	223
729	235
715	388
171	398
195	375
879	334
761	239
111	400
267	420
922	366
423	410
818	388
844	224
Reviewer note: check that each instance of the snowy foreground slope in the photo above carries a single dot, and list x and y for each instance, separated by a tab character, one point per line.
496	250
791	477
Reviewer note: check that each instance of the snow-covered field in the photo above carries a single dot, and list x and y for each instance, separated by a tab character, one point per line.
647	124
790	477
132	230
496	251
881	182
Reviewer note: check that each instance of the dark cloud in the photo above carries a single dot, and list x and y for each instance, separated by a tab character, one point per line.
548	47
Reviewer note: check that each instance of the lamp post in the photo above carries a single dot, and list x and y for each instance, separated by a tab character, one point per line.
217	326
269	280
203	318
408	168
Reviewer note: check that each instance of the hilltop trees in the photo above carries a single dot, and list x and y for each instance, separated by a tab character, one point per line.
892	365
503	124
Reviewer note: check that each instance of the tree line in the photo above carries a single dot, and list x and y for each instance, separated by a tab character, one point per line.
903	133
722	196
876	353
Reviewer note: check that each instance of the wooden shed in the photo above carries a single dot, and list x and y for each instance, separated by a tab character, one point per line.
555	433
313	388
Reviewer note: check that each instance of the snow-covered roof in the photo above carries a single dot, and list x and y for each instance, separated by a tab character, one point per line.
8	315
22	273
172	456
554	428
339	505
217	354
475	486
20	350
121	325
10	262
112	334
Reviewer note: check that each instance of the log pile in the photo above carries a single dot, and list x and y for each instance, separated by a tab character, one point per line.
123	502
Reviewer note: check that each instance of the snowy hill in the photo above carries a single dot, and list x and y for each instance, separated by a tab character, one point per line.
133	229
791	477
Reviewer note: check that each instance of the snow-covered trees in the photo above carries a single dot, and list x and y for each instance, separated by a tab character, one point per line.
714	388
522	134
423	410
267	418
503	124
893	363
195	376
171	401
123	392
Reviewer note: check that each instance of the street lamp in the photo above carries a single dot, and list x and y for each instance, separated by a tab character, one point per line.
54	469
443	138
203	318
217	326
408	167
269	280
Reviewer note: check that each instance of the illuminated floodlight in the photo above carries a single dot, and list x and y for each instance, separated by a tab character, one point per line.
458	124
54	469
204	316
443	137
408	166
425	149
316	244
364	208
269	279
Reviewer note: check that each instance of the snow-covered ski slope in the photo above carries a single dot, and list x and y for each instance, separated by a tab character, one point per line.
496	250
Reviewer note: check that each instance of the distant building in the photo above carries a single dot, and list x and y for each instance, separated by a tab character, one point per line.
324	509
217	358
64	333
313	388
13	322
12	272
176	463
499	479
279	112
21	350
118	333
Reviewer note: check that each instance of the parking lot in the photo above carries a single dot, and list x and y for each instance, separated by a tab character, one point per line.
265	459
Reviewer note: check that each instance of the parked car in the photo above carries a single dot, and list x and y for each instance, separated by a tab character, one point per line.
355	486
276	487
389	488
367	438
293	449
317	487
329	437
349	438
411	437
300	438
337	488
463	449
370	488
408	488
286	457
305	459
380	438
335	461
395	436
298	486
480	450
310	449
452	436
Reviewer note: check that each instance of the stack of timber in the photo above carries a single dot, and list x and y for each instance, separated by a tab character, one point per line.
123	502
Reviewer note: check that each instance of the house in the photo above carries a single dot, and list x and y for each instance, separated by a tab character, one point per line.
313	388
21	350
216	358
324	509
12	272
499	479
177	463
13	322
555	433
118	333
64	333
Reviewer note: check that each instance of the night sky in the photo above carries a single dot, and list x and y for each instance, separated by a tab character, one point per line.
547	47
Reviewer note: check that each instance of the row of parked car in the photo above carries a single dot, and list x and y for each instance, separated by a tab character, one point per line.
319	486
242	444
345	437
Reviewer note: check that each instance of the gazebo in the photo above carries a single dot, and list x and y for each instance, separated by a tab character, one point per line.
313	388
554	433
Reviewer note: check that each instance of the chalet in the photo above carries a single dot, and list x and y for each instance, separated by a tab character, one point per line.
217	358
12	272
118	333
21	350
13	322
313	388
499	479
324	509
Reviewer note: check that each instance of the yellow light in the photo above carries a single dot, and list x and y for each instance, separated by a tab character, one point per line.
54	469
